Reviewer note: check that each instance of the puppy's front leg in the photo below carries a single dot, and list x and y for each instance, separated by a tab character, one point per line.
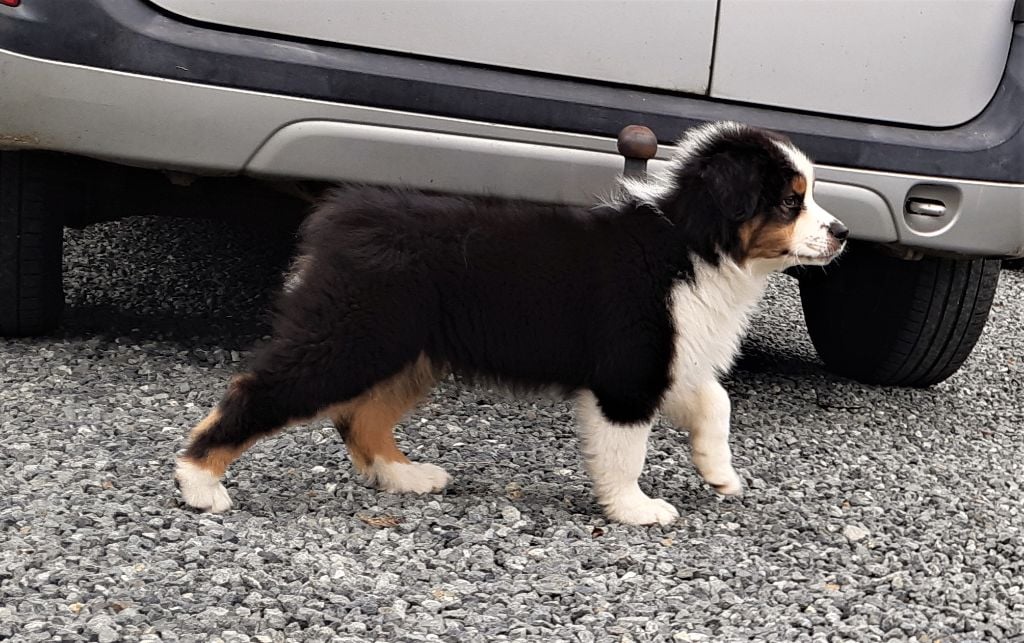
614	456
705	411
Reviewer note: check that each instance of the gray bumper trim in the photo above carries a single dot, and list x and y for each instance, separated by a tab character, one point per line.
146	121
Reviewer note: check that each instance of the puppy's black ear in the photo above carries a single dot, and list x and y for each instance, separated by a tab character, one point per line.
734	185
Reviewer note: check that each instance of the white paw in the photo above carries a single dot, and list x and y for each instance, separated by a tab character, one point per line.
639	509
200	489
408	477
726	482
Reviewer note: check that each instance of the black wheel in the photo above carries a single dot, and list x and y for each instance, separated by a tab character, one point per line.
31	243
882	320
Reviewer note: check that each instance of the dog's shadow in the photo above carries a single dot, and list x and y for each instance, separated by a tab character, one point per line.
540	505
756	358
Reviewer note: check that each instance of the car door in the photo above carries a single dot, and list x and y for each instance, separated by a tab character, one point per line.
933	63
662	44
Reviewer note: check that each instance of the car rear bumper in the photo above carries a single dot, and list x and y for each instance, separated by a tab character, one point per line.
462	129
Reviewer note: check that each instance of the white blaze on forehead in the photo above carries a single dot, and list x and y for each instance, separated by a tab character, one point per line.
801	163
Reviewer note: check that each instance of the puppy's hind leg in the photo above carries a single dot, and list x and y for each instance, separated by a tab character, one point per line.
247	412
367	425
705	411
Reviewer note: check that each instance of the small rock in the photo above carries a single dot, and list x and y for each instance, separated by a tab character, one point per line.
103	627
274	618
854	533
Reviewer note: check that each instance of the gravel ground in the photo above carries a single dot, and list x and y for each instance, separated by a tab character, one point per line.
870	514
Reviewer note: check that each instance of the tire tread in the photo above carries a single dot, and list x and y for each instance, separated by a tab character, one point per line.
31	244
899	323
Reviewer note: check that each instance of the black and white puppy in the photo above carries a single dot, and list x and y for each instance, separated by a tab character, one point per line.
633	306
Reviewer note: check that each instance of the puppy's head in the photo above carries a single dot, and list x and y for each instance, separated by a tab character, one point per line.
788	227
747	194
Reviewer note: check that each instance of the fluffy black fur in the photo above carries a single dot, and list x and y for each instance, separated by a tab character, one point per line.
532	295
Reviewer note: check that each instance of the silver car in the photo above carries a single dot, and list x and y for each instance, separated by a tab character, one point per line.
912	110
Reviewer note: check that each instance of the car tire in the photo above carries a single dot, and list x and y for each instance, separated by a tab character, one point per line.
883	320
31	243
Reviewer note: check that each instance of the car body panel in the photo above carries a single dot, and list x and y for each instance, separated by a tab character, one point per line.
664	44
934	63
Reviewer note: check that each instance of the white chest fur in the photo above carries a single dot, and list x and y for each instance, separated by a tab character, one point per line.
710	317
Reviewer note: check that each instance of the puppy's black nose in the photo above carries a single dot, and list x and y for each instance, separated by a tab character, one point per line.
838	230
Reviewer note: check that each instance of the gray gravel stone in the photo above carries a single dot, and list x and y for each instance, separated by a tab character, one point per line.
854	533
97	546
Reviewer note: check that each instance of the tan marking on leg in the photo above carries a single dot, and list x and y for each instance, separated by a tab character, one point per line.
212	418
217	460
371	436
368	422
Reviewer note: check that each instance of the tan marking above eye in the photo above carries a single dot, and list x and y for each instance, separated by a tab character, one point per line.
799	184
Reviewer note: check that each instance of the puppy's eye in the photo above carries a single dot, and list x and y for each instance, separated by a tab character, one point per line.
790	202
